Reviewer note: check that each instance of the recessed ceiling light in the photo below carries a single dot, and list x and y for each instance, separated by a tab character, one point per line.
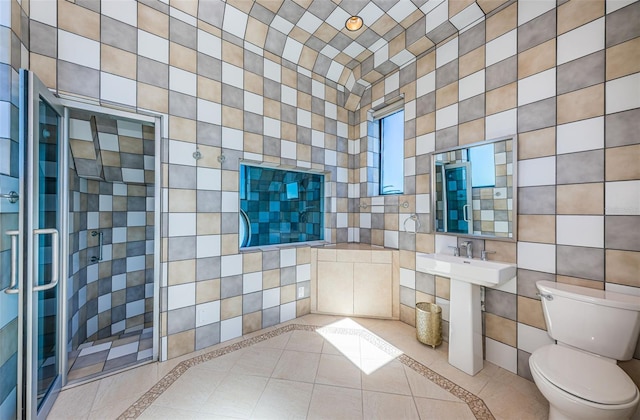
354	23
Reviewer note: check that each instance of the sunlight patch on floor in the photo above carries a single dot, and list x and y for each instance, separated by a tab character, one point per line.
362	352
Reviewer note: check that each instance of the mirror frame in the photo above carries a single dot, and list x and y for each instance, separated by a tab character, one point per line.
514	198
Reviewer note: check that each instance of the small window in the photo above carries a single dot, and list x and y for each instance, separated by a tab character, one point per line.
392	153
482	160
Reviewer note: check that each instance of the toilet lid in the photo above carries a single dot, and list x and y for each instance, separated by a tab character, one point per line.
585	376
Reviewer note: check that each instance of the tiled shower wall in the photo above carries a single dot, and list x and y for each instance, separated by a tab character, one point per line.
566	80
114	295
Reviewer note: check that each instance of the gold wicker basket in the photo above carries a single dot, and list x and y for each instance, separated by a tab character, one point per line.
429	323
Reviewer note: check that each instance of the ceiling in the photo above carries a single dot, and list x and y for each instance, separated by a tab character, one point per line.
312	33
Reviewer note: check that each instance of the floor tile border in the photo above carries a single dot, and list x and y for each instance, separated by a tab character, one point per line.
475	404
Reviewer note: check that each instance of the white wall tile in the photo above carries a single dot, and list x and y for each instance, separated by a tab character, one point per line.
210	112
252	282
230	328
207	313
230	265
270	298
235	21
447	117
271	127
585	231
287	311
391	239
407	278
471	85
303	118
446	53
209	179
466	17
623	93
45	12
580	136
292	50
381	55
209	44
537	257
288	95
425	144
541	171
613	5
303	273
288	149
528	10
208	246
287	257
181	153
182	224
435	15
182	81
537	87
500	48
501	124
309	22
123	10
78	50
254	103
152	46
501	354
531	339
229	202
232	75
391	83
622	198
581	41
181	296
281	25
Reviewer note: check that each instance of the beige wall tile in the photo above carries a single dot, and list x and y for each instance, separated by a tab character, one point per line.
407	259
488	6
458	6
423	297
580	199
79	20
211	90
256	32
425	242
447	95
408	315
502	22
471	62
442	287
229	244
426	64
288	293
181	343
271	279
182	129
186	6
471	132
207	291
502	99
116	61
303	255
530	312
538	143
208	223
303	307
504	251
181	272
501	329
232	54
593	284
46	69
581	104
539	58
623	59
183	57
231	307
622	163
537	228
153	21
251	322
576	13
232	117
182	201
426	124
251	262
622	267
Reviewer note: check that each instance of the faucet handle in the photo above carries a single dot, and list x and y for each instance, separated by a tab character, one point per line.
456	251
484	254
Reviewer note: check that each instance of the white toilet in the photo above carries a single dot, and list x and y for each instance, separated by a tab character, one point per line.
579	375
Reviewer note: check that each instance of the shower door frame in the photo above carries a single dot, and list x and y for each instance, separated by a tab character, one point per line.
71	103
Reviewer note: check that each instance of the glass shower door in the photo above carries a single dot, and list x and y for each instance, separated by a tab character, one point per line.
457	186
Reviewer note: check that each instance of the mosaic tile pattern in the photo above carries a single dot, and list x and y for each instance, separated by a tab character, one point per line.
476	405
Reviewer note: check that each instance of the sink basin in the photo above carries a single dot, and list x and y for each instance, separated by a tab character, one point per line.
482	273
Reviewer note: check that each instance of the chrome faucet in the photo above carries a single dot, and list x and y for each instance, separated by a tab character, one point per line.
469	246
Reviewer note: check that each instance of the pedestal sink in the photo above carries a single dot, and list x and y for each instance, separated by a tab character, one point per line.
465	315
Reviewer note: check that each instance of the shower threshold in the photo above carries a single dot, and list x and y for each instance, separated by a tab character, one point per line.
96	358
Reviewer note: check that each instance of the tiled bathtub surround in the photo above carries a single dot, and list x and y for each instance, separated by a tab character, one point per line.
558	76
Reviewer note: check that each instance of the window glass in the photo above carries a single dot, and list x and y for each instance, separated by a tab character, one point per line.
392	153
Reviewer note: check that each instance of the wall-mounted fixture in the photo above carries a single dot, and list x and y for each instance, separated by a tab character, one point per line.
222	158
354	23
197	155
416	224
100	236
12	196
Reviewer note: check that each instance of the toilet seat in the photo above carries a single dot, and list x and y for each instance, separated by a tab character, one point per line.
583	375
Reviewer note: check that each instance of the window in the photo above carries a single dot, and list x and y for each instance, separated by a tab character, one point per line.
482	160
392	153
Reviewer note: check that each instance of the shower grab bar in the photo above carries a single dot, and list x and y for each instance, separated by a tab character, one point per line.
13	276
100	236
465	212
416	224
55	257
246	218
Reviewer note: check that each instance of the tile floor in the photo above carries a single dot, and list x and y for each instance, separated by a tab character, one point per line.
299	373
110	354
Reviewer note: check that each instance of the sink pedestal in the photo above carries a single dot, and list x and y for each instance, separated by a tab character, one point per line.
465	327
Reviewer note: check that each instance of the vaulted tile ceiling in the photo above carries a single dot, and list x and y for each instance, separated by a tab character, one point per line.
312	33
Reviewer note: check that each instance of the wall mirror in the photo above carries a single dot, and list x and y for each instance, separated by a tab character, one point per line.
474	189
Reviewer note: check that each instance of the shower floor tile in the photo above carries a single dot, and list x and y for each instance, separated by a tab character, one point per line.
109	354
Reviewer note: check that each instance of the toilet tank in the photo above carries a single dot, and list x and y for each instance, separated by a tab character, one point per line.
600	322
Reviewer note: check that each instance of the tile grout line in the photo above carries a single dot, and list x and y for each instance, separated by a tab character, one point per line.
475	403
